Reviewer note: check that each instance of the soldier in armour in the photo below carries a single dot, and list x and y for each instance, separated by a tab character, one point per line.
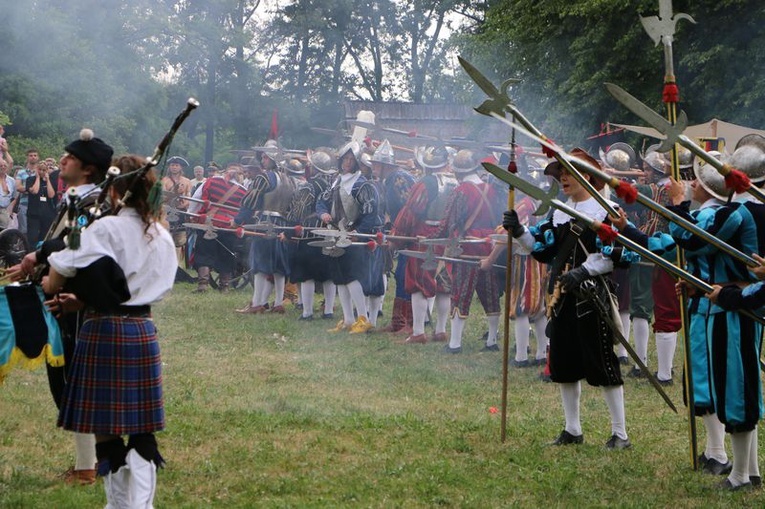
421	217
472	211
353	203
308	265
393	186
268	200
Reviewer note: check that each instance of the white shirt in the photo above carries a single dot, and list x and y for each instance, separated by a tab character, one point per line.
149	263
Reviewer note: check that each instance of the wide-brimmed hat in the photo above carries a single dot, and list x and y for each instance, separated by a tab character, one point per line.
554	169
750	159
324	160
619	156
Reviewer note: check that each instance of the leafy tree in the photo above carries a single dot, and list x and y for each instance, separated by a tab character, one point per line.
565	49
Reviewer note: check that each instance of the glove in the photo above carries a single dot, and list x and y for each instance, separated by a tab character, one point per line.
571	280
511	223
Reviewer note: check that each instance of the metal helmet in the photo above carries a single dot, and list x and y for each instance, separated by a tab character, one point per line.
619	156
465	161
271	150
655	159
295	167
352	147
384	154
685	157
365	160
431	158
750	159
710	179
752	139
323	160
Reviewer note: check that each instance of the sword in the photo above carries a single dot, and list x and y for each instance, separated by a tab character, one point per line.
640	198
606	316
674	134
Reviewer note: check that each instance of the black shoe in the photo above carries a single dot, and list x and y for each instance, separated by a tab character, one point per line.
448	349
299	306
618	443
490	348
756	481
327	316
726	485
309	317
665	383
485	336
636	372
520	364
539	362
566	438
545	378
624	361
714	467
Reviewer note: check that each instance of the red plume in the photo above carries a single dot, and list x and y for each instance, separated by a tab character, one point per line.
412	134
298	230
671	93
202	218
371	245
607	234
379	237
626	192
239	232
737	180
512	167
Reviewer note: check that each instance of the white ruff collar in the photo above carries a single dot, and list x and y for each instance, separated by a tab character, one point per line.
588	207
348	179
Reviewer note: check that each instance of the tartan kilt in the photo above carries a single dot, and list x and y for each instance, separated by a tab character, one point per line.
115	381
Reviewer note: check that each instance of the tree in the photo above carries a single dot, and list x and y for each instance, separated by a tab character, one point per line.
565	50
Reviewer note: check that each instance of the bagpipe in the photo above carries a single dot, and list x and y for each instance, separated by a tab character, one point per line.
29	333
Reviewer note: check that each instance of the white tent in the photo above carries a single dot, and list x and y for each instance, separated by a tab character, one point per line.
712	129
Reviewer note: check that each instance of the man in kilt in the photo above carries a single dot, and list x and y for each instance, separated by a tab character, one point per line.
126	262
83	165
354	202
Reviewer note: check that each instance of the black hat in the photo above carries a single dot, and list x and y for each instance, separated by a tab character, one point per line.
91	150
178	160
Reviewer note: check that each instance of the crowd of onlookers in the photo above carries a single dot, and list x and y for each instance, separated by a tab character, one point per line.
29	193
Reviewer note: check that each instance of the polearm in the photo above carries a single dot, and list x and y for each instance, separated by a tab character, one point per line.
629	193
661	29
176	196
500	103
734	179
547	200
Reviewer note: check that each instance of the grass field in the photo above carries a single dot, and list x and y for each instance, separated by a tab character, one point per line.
269	411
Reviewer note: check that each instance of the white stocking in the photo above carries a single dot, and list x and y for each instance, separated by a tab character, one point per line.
375	305
358	298
493	329
665	353
419	312
741	443
330	290
569	394
307	289
458	325
614	396
443	301
640	333
715	448
346	303
540	327
85	451
521	338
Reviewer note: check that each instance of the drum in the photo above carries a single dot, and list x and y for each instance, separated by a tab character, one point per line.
29	334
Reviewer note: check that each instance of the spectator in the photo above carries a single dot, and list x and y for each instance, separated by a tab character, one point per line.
8	194
41	205
33	159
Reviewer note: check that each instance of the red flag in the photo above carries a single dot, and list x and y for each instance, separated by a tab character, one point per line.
273	134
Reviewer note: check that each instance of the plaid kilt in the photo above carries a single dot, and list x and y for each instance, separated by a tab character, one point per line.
115	381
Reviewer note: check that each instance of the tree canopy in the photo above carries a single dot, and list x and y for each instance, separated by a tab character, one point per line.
125	68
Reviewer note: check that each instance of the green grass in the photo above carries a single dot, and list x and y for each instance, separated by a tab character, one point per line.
269	411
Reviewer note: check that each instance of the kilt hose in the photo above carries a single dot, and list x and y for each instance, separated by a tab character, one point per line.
115	381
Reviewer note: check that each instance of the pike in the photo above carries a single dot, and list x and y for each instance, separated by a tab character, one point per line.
424	255
674	134
500	103
662	29
210	230
176	196
617	184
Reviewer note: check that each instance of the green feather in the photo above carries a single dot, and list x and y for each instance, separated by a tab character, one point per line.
155	198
